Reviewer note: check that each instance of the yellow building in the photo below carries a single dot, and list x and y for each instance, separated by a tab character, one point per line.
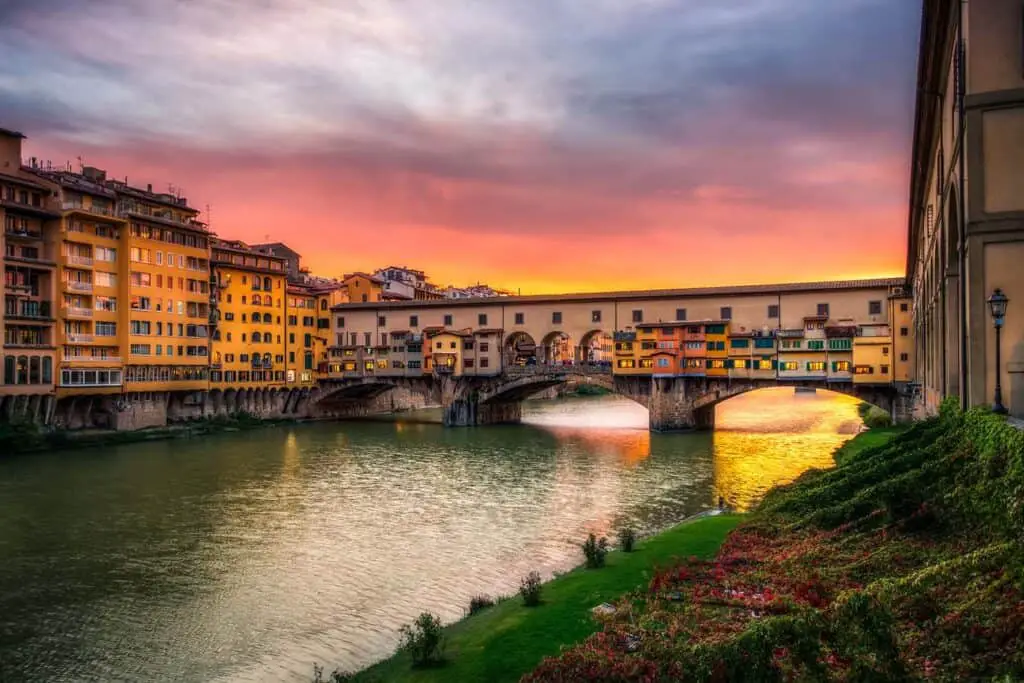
716	335
445	355
363	288
902	317
167	291
627	354
303	343
28	214
872	355
249	345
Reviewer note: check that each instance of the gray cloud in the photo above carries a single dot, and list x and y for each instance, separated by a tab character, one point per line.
617	100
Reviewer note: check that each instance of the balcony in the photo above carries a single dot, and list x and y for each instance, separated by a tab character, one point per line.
78	337
19	233
93	209
28	255
76	312
76	286
76	260
90	359
28	310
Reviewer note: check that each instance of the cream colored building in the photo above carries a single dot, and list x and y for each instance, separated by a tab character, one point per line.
966	231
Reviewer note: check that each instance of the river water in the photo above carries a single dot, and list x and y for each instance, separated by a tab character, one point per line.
249	556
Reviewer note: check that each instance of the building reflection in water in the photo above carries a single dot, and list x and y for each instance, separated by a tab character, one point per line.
802	429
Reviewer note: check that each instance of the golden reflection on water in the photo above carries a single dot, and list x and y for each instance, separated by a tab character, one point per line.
770	437
626	446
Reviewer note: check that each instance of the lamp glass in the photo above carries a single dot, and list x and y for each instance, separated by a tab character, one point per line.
997	304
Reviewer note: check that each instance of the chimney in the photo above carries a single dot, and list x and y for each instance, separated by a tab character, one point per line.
94	174
10	150
149	187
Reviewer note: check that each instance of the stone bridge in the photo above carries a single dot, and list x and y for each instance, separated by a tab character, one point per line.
673	403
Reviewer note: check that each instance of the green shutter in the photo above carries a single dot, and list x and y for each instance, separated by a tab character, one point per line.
707	364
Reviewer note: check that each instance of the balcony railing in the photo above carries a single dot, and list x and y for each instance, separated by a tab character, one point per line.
78	337
76	260
33	310
76	286
90	359
98	210
77	312
27	234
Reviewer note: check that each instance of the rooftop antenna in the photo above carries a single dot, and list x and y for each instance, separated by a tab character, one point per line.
81	165
209	216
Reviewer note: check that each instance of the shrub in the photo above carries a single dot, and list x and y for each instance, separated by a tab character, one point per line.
627	539
479	603
594	550
873	416
335	677
423	640
530	588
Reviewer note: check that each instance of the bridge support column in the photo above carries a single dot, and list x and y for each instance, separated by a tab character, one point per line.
671	409
468	412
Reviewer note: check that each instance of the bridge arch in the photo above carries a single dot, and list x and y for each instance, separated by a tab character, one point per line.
556	348
595	347
519	348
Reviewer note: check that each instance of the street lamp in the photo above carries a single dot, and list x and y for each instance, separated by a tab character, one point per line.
997	305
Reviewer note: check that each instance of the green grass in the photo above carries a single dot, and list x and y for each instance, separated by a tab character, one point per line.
508	640
865	440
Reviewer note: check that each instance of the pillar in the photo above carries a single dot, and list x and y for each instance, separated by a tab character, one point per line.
468	411
671	406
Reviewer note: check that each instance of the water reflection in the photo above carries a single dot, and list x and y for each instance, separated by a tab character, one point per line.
248	556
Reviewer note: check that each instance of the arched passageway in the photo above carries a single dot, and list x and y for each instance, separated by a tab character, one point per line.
520	349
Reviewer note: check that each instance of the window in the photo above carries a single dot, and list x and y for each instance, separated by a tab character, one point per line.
140	279
885	369
680	314
739	363
816	366
101	279
556	317
904	307
840	344
904	332
788	365
739	343
815	345
904	357
520	318
595	316
764	364
841	366
291	337
626	363
481	319
106	329
485	362
885	350
307	340
382	321
638	316
823	309
141	327
447	320
874	308
341	322
763	343
414	321
773	310
467	345
716	364
467	362
726	313
864	370
646	362
291	356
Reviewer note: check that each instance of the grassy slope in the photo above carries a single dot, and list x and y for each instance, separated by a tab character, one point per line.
508	640
865	440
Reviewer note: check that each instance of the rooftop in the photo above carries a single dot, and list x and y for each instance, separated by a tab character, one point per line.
770	289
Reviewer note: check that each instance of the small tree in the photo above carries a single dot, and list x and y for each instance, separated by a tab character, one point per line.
479	603
423	640
627	539
594	550
530	588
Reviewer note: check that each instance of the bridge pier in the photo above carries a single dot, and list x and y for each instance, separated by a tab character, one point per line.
469	412
671	407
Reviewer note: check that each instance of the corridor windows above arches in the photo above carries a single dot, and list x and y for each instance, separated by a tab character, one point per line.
520	318
595	316
556	317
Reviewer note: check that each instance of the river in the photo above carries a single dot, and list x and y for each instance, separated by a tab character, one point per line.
249	556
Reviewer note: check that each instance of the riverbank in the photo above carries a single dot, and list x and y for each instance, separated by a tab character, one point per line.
505	641
21	438
905	562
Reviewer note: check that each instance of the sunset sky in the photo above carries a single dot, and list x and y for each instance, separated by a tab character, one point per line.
541	145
